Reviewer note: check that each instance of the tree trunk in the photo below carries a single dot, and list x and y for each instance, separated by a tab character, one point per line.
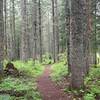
55	31
68	20
34	28
54	55
11	36
40	33
5	26
24	34
95	36
86	37
13	30
78	29
1	39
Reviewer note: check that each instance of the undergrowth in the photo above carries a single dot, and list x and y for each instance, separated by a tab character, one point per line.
59	70
92	86
47	59
92	83
29	68
25	83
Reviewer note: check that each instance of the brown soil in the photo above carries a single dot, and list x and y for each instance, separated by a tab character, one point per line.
48	89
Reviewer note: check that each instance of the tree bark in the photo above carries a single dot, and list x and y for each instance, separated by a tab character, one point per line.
55	31
11	52
40	33
5	26
78	29
1	39
86	37
24	33
34	29
95	36
68	20
13	30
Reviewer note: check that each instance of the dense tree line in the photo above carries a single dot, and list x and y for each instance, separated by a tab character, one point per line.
33	28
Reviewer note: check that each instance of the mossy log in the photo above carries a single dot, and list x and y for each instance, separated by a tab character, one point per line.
11	70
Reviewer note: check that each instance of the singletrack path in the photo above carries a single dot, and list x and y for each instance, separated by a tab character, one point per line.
48	89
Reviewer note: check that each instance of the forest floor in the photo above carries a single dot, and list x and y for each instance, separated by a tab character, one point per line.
48	89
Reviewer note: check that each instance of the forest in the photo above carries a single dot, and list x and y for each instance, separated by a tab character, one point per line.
49	49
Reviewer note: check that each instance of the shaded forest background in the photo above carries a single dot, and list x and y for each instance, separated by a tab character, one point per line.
41	15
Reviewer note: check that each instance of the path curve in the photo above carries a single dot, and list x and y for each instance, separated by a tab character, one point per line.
48	89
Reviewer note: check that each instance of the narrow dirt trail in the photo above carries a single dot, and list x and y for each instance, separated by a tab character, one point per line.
48	89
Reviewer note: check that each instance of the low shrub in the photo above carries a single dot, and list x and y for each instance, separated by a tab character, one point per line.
92	82
47	59
59	71
89	97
